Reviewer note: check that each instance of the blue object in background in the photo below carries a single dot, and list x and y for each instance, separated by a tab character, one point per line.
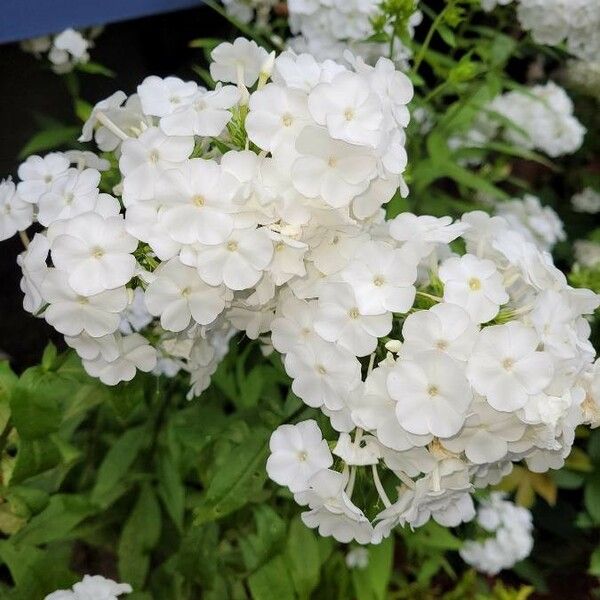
23	19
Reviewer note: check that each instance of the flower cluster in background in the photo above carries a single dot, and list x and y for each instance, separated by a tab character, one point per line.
552	22
537	118
326	29
510	540
65	50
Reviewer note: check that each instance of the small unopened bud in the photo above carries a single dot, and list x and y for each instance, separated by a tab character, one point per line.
266	69
244	95
393	346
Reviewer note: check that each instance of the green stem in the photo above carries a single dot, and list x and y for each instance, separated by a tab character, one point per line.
429	37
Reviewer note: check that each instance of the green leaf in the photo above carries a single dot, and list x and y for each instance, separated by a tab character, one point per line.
257	548
34	404
83	109
50	139
271	581
371	583
56	521
93	68
116	463
170	488
34	457
303	558
239	477
594	568
8	380
447	35
138	538
592	497
36	572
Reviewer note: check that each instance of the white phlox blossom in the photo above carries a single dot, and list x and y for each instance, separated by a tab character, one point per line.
257	207
553	21
538	224
508	529
541	119
586	201
92	587
326	28
64	50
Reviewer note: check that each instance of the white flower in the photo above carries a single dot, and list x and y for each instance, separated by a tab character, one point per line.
136	315
89	347
366	452
37	174
206	113
545	115
322	373
15	214
373	409
512	542
432	393
486	433
473	284
96	253
587	253
382	278
33	265
539	224
297	453
239	62
277	115
506	366
238	262
340	320
104	106
198	202
85	158
333	170
422	233
71	313
134	353
445	327
357	558
75	193
586	201
294	326
349	109
68	47
332	511
161	97
177	295
92	587
145	158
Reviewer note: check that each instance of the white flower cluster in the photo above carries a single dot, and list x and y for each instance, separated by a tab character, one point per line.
512	539
587	253
229	200
251	11
584	76
489	5
489	356
537	223
553	21
327	28
64	50
92	587
586	201
541	118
